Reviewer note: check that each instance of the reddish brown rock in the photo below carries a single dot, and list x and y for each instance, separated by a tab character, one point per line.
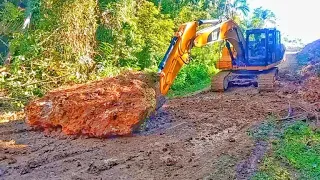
108	107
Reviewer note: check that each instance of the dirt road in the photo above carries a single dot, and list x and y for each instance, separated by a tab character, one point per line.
198	137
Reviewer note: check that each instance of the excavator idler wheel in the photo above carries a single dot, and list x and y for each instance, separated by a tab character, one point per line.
266	82
220	81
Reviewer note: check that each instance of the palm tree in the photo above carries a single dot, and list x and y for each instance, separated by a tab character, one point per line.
261	17
237	7
264	14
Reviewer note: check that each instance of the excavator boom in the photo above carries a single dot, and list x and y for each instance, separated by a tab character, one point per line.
177	55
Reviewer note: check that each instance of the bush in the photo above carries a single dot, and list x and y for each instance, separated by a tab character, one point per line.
136	34
197	75
11	19
57	49
191	78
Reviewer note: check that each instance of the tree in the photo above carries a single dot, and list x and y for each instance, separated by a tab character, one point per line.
136	34
191	13
11	18
238	7
155	30
262	17
169	6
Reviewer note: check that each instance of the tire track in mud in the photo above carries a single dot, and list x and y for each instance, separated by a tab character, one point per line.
39	162
19	128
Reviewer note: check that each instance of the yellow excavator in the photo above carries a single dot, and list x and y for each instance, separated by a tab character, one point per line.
245	59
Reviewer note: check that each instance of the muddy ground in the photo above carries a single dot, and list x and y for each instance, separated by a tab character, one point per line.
198	137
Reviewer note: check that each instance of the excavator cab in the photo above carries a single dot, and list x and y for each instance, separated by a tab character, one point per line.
264	47
263	52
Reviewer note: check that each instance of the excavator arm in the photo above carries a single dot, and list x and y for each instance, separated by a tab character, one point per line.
188	37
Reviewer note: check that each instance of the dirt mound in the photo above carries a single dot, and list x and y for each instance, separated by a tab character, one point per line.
309	57
311	90
310	52
309	60
109	107
313	69
310	47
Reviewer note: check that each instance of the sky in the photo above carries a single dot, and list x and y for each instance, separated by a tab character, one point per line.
295	18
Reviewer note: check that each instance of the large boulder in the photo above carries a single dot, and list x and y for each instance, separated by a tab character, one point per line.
108	107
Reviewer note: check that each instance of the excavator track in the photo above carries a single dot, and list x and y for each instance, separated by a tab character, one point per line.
220	81
266	82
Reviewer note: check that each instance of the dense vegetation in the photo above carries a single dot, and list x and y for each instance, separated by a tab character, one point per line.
71	41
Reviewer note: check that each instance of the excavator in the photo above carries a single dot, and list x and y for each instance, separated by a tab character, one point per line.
245	59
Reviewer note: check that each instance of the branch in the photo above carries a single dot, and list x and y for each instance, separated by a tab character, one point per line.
56	30
293	117
4	43
11	99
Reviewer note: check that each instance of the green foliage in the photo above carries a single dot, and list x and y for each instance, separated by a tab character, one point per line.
271	169
191	13
11	18
168	7
261	17
295	153
191	78
238	7
10	13
4	48
263	13
56	50
155	30
138	34
173	8
300	148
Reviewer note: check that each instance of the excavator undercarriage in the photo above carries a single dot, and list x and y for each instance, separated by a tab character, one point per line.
263	80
